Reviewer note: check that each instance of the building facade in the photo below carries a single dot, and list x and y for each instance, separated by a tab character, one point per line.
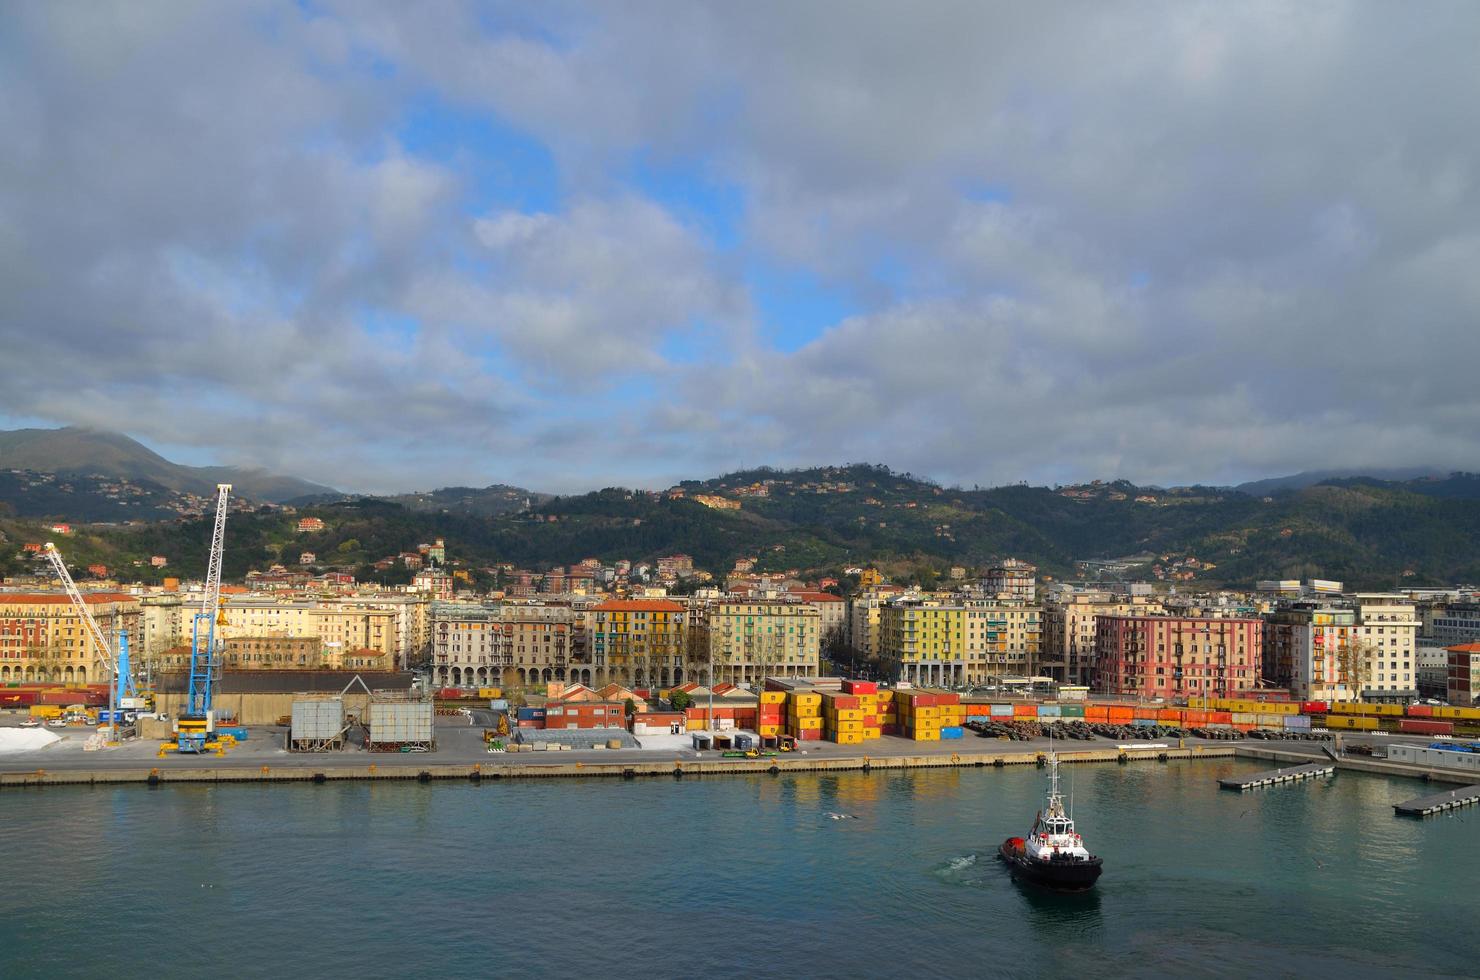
1175	657
1011	579
1360	648
972	643
42	639
1069	631
1464	675
639	642
748	640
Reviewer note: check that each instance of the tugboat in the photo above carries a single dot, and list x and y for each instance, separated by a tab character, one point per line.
1053	855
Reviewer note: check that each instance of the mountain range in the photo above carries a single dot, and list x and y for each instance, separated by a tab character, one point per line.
81	452
1367	531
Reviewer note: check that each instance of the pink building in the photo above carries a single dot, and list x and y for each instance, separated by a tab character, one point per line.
1177	657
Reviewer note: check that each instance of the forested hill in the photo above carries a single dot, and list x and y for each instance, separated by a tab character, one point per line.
1370	534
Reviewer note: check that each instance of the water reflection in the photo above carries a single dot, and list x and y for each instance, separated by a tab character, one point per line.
1075	913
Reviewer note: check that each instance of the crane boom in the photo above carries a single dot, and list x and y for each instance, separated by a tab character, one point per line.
89	624
212	598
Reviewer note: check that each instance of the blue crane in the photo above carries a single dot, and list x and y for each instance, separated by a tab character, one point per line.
197	722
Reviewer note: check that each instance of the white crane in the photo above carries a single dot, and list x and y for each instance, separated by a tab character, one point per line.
98	639
197	720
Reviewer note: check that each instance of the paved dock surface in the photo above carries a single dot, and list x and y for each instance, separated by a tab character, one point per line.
460	754
1422	806
1275	776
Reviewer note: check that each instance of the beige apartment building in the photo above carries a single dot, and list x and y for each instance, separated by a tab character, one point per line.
747	640
496	644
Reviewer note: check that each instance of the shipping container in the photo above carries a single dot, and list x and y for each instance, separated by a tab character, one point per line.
1426	726
1071	710
1049	711
1002	711
1414	710
1025	711
860	687
1301	722
951	731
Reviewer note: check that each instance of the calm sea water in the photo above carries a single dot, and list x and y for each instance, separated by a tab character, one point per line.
734	877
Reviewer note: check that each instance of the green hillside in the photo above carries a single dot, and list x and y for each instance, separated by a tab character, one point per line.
1369	534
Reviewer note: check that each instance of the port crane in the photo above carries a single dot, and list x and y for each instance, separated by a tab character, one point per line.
122	692
197	721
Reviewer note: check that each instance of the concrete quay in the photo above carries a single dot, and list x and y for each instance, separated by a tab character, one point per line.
249	763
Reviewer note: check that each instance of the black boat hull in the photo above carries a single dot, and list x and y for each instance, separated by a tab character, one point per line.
1068	876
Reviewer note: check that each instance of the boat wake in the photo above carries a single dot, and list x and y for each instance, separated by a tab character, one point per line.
962	870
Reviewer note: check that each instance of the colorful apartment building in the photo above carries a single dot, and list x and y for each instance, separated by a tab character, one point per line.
1152	656
930	643
639	642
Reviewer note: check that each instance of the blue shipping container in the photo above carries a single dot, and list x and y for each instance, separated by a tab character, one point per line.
1002	711
531	714
1048	711
951	731
1142	722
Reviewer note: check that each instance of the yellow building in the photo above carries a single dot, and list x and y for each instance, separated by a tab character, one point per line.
869	578
639	642
43	639
749	640
971	643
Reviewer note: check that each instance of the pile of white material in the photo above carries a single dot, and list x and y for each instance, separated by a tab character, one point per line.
26	739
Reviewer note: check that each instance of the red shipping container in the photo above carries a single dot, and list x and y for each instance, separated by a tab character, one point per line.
948	698
860	687
922	700
1421	711
17	697
889	729
1424	726
1315	707
809	735
847	702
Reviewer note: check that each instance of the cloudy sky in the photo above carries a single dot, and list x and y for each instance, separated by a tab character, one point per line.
392	246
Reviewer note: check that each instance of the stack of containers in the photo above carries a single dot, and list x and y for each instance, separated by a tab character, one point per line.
804	715
888	712
771	714
919	715
867	693
1001	712
842	718
1025	712
952	714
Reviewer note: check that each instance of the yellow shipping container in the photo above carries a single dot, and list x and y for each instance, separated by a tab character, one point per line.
849	738
847	726
46	711
927	735
931	713
885	697
849	714
806	699
490	692
769	729
773	697
872	733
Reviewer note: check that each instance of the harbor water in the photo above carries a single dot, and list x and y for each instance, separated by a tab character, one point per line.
850	874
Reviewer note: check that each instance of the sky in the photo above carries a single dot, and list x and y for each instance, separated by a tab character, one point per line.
392	246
